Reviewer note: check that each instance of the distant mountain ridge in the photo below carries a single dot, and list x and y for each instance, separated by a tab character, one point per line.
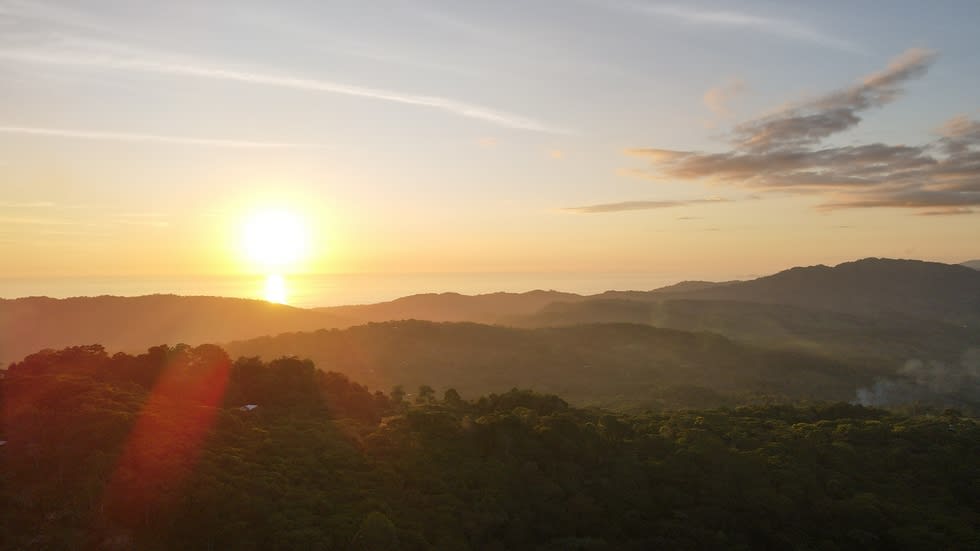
870	286
486	308
975	264
134	323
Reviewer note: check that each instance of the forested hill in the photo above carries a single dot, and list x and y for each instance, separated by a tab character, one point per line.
872	341
136	323
486	308
914	288
154	452
880	291
614	365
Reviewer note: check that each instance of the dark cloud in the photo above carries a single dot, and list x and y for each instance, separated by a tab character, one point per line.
808	123
781	153
640	205
958	134
915	199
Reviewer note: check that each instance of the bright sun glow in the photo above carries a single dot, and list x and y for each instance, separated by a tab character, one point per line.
275	289
275	239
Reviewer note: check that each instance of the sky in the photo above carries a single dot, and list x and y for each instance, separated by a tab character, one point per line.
711	139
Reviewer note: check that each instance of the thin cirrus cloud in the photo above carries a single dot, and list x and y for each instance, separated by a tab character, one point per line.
786	28
197	70
641	205
150	138
783	152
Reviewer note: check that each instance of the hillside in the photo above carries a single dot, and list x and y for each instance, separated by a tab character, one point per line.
877	340
486	308
614	365
152	452
868	287
868	309
135	323
928	290
975	264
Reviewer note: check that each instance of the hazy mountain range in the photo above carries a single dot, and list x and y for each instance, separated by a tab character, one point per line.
844	327
621	366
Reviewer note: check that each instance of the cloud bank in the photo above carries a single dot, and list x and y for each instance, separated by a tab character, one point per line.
783	152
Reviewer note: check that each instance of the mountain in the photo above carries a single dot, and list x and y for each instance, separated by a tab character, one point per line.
614	365
872	286
486	308
870	340
683	287
135	323
975	264
872	308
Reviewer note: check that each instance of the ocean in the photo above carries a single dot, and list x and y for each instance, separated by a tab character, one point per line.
308	291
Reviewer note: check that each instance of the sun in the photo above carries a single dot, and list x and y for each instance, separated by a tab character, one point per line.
275	240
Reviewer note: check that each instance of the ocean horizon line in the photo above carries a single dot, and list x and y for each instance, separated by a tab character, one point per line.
325	290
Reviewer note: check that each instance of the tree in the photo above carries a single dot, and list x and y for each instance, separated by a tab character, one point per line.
377	533
452	398
398	395
426	395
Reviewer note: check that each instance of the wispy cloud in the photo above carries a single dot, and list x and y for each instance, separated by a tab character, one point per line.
44	206
198	70
641	205
781	153
23	12
150	138
44	214
34	221
27	205
946	212
787	28
812	121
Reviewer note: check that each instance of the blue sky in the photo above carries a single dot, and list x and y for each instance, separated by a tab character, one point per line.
457	135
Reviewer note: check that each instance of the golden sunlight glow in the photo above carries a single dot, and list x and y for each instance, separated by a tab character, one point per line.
275	289
275	239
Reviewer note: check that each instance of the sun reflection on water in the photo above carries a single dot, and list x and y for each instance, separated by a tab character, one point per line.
275	288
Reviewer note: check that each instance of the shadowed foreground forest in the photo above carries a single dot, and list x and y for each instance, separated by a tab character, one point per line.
162	451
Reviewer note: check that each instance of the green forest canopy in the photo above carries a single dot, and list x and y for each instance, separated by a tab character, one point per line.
153	452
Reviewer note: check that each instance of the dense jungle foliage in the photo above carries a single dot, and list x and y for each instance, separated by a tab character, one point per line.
157	451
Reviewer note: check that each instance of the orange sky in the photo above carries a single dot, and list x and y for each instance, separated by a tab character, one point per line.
681	139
